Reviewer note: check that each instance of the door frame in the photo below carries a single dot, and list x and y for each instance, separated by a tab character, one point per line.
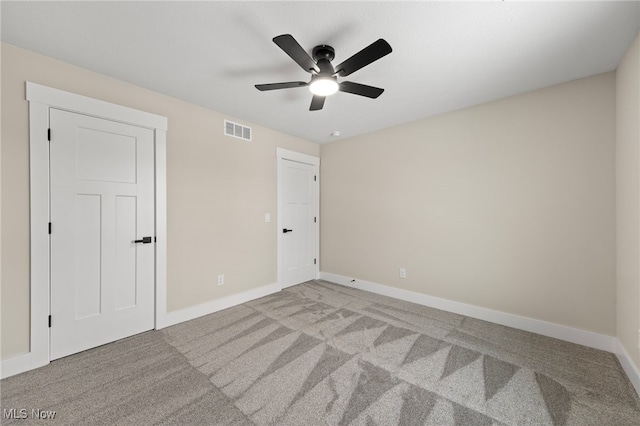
41	99
285	154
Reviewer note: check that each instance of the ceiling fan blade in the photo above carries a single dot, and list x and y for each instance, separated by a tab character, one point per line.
360	89
317	103
369	54
276	86
292	48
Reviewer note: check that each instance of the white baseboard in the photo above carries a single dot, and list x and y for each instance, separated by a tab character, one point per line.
19	364
628	366
569	334
176	317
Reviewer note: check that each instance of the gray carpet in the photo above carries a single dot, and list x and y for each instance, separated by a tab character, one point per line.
322	354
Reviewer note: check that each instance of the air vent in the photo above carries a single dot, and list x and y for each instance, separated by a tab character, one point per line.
237	130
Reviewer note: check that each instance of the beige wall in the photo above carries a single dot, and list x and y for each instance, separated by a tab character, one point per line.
218	190
508	205
628	199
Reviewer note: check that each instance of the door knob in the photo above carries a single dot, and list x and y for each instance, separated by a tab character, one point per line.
144	240
285	230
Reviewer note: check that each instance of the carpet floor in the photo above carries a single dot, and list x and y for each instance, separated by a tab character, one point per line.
322	354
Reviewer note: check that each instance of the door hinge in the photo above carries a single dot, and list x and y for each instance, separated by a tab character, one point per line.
49	321
49	228
314	261
314	219
49	134
315	178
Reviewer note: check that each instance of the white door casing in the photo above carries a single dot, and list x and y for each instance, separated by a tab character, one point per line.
102	200
298	218
41	100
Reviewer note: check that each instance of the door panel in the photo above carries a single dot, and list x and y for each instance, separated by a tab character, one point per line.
297	188
105	156
87	256
102	200
125	283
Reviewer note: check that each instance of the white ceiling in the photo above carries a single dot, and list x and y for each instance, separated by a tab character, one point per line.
446	55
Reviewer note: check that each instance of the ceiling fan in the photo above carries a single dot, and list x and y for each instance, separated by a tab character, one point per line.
324	76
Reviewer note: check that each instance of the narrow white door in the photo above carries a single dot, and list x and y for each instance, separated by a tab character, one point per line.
297	185
102	202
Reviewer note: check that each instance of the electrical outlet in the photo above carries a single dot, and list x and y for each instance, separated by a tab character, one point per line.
221	279
267	217
403	273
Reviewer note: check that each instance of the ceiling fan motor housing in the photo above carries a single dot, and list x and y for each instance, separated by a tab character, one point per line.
324	51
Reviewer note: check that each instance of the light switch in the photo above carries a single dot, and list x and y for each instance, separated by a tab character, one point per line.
267	217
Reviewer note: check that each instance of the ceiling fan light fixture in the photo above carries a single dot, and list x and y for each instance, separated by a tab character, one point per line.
324	86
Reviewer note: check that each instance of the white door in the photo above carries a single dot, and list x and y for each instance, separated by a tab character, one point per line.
297	188
102	201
